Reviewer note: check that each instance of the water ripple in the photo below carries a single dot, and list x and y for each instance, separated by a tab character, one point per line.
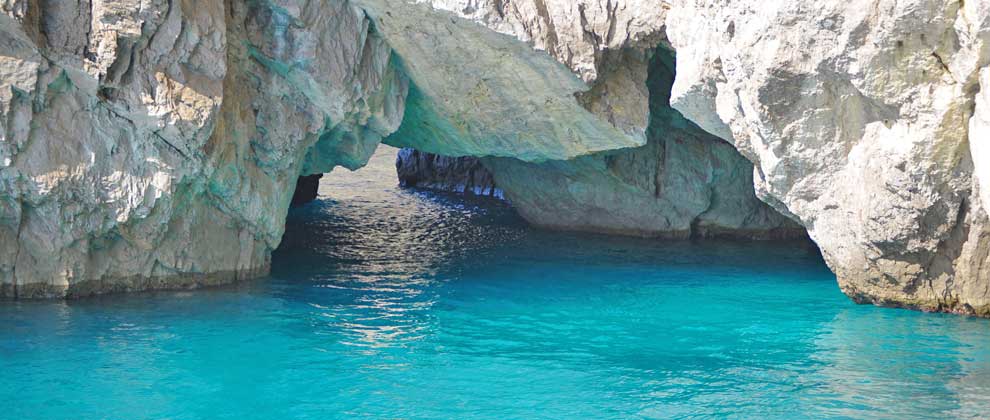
389	303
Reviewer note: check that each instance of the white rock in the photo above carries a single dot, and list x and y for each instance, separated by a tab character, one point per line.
154	143
856	119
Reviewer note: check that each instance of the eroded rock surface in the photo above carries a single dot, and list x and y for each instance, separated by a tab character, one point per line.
683	183
605	42
858	122
478	92
155	144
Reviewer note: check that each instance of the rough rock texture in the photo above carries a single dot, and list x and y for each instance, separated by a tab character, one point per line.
605	42
683	183
481	93
857	118
152	144
156	143
455	174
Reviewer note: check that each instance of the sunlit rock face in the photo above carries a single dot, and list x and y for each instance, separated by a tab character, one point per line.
683	183
155	144
604	42
478	92
858	121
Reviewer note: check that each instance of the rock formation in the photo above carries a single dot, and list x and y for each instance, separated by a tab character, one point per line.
857	120
683	183
156	143
859	123
458	174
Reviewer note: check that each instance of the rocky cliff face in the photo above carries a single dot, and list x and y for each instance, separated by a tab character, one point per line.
154	143
151	144
860	123
683	183
863	124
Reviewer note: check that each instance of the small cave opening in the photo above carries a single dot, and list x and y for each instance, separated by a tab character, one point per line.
464	174
307	189
416	170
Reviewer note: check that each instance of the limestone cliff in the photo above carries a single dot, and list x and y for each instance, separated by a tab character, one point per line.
151	144
683	183
157	143
863	124
859	120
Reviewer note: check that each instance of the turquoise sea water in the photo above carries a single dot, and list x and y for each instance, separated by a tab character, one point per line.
385	303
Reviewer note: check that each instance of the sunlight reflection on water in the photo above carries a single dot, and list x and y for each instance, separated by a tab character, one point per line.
391	303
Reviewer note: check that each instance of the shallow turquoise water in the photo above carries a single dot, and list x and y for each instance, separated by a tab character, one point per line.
386	303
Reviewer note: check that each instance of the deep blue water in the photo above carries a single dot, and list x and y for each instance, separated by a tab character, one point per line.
388	303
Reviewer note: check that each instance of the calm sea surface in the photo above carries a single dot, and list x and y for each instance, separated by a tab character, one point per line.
389	303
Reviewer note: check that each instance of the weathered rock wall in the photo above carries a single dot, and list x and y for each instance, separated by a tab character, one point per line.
683	183
153	144
858	121
477	92
864	124
156	143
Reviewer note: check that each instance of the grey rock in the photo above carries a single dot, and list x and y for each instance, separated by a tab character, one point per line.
858	120
683	183
154	143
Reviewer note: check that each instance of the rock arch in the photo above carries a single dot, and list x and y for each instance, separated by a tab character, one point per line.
159	147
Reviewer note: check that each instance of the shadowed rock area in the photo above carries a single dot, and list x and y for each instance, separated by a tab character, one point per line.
442	173
683	183
306	189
